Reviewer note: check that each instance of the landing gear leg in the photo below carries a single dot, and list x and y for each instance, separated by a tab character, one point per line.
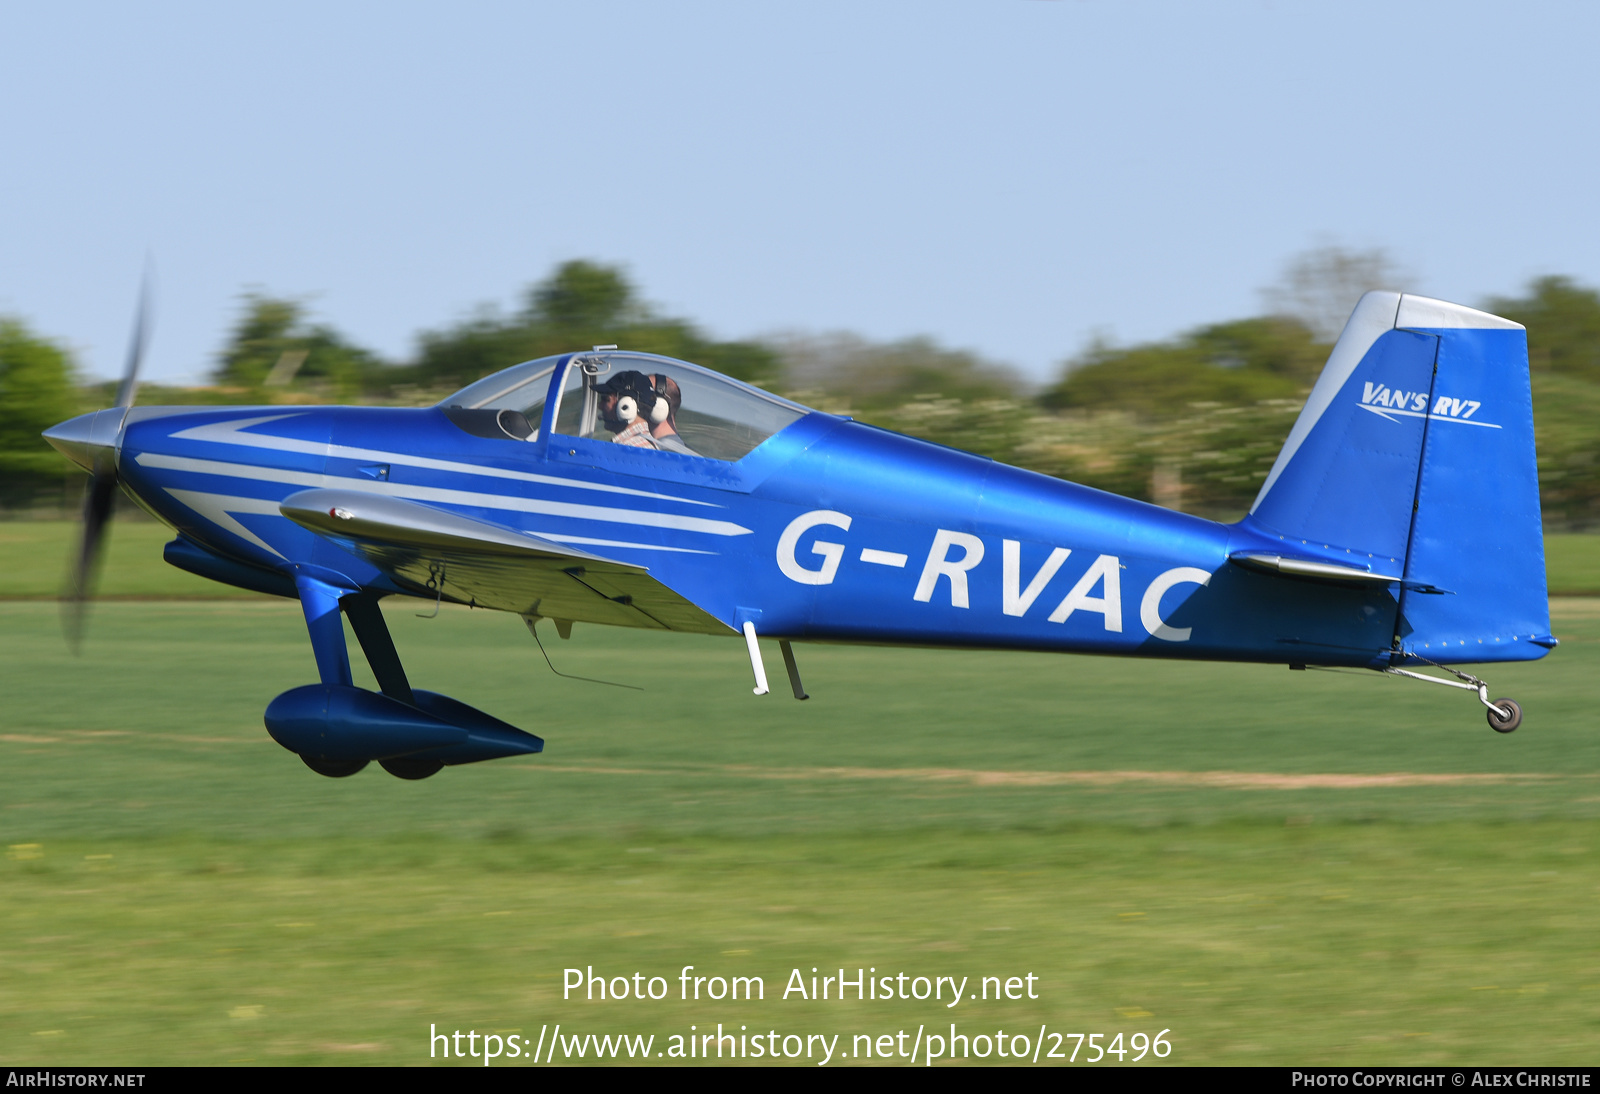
366	619
322	603
1504	714
795	685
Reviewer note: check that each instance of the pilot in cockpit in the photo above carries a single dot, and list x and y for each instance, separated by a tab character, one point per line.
641	411
665	432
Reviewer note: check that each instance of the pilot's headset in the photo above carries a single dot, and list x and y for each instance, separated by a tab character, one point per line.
635	397
669	399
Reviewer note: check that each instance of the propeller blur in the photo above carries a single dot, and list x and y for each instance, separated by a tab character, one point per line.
95	455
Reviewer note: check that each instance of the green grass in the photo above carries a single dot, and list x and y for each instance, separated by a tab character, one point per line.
34	555
1251	943
1277	867
1572	562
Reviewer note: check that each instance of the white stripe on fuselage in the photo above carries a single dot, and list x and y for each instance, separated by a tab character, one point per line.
441	495
218	509
232	433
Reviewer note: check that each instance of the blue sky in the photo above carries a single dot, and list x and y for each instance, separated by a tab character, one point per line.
1010	176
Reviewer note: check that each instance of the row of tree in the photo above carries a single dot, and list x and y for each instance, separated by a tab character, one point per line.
275	351
37	389
1193	422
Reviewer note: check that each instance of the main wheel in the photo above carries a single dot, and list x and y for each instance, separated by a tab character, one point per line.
1505	724
334	769
404	768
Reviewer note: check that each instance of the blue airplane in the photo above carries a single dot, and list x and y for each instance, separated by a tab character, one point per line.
1398	530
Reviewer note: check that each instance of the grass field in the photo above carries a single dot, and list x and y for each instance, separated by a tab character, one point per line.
1277	868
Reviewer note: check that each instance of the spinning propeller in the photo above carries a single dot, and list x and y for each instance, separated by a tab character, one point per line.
102	487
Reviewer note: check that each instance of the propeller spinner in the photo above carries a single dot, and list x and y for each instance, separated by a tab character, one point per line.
90	441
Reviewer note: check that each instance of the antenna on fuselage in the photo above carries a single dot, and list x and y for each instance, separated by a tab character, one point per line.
531	621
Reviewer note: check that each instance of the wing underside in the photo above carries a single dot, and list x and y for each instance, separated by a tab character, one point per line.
432	551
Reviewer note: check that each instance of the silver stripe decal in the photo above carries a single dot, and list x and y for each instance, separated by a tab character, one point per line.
230	433
1373	317
592	542
217	507
1426	314
438	494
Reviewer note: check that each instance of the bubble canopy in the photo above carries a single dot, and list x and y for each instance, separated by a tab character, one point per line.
702	413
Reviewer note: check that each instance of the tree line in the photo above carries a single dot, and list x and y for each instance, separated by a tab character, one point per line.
1192	422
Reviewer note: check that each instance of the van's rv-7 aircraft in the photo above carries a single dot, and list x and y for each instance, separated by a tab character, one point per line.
1398	530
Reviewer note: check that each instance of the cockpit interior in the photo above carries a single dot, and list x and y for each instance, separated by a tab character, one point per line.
636	399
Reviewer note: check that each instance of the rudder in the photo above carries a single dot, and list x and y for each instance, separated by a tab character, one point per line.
1475	576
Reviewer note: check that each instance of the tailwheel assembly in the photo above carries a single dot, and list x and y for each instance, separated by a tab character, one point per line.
1505	715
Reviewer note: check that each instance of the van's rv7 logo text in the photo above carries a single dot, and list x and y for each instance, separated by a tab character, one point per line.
1392	403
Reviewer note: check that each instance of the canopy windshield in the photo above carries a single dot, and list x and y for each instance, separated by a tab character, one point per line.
640	400
521	387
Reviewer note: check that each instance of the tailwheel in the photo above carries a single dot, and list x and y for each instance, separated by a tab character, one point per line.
1504	715
334	769
405	768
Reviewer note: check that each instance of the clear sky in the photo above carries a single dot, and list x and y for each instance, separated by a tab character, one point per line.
1010	176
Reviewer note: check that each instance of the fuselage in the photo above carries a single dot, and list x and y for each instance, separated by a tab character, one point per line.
828	530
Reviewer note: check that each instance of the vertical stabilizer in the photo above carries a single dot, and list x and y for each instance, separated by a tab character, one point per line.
1347	477
1415	454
